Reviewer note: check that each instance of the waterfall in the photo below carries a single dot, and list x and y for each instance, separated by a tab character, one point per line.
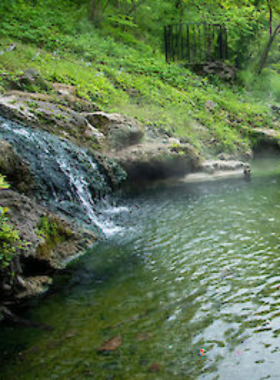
67	177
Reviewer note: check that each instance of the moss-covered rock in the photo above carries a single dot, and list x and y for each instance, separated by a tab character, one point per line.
52	242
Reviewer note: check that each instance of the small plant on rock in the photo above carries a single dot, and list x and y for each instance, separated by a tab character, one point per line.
10	241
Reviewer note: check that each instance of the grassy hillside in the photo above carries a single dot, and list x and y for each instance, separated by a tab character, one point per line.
120	72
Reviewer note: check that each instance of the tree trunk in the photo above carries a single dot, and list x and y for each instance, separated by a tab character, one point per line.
99	12
96	11
264	57
93	10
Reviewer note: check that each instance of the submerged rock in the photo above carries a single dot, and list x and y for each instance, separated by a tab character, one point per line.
247	173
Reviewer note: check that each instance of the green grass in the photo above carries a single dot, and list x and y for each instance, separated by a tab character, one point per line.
127	76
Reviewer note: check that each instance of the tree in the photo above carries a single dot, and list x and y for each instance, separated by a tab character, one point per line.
273	8
96	11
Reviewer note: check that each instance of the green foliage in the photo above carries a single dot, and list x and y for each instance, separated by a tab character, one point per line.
3	183
265	87
9	239
127	73
53	233
47	228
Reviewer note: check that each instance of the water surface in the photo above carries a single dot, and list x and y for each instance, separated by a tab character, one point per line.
194	267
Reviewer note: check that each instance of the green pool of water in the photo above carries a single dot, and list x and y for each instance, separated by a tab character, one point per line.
194	267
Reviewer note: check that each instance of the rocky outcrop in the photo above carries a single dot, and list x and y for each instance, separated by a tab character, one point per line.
52	242
211	166
30	79
157	160
144	156
267	135
217	68
124	145
53	114
13	168
120	131
211	170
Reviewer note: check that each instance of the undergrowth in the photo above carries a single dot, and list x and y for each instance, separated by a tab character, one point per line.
126	75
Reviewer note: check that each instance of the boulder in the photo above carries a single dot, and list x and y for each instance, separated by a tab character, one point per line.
152	161
45	253
120	131
33	286
26	215
210	105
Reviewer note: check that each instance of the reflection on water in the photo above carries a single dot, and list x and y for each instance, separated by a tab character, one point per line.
189	289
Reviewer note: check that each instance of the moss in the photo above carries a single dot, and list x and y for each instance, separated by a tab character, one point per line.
10	241
53	232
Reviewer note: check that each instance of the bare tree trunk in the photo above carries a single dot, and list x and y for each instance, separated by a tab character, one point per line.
267	49
93	11
270	16
96	11
99	12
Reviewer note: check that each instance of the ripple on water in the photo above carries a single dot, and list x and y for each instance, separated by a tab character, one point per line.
188	272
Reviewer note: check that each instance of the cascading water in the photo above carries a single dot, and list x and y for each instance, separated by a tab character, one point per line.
67	178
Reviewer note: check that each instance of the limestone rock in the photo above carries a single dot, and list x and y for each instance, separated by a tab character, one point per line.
11	106
41	111
152	161
25	215
120	131
64	89
211	166
15	169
